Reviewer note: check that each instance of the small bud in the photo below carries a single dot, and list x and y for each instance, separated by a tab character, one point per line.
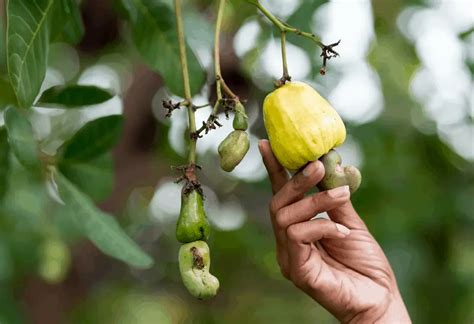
240	118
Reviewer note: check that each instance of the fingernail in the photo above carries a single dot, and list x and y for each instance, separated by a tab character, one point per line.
344	230
310	168
339	192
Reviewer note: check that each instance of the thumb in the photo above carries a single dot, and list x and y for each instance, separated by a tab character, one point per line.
346	214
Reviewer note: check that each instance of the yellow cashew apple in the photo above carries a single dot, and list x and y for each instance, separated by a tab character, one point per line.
301	125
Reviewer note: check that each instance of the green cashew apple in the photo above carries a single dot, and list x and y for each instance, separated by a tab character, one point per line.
194	263
336	175
192	224
233	149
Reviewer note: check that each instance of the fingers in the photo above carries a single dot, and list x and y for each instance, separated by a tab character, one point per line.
346	214
298	185
310	206
276	172
302	235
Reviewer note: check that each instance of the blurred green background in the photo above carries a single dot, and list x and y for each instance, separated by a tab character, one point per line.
403	84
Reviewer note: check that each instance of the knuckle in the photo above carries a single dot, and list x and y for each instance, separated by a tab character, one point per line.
326	195
281	218
298	182
292	233
273	207
316	199
277	172
322	199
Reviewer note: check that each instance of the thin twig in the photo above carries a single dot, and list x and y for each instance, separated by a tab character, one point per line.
185	73
327	50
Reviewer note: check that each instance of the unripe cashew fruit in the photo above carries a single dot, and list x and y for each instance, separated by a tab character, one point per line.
233	149
301	125
240	118
192	224
55	260
194	263
336	175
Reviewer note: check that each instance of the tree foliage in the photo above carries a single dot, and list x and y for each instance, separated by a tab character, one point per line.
56	163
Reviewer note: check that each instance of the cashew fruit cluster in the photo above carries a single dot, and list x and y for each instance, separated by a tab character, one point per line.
193	229
303	127
236	145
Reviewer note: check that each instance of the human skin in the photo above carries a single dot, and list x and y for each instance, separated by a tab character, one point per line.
337	262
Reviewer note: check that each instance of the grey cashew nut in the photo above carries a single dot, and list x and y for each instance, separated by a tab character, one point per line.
194	263
336	175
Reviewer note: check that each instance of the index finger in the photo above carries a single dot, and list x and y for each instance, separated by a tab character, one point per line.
276	172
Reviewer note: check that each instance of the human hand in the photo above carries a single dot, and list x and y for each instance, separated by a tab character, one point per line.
337	262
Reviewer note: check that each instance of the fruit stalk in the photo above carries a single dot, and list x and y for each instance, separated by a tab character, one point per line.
212	121
221	85
217	60
286	75
186	87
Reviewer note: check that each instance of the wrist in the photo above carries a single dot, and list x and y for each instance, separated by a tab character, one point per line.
395	312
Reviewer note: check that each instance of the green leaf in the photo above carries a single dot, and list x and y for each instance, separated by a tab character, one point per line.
21	138
154	35
4	149
95	177
93	139
102	229
27	46
73	96
7	96
66	24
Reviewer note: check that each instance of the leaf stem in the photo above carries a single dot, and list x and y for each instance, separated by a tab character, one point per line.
284	27
187	89
227	90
